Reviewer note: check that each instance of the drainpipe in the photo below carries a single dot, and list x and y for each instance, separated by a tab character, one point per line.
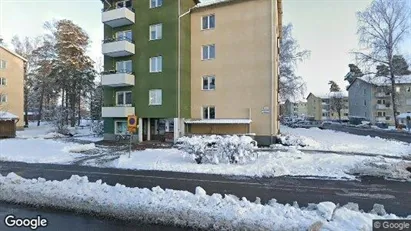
272	73
108	3
179	66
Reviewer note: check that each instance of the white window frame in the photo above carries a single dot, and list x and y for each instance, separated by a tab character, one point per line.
208	22
124	62
116	126
3	64
123	32
397	89
382	114
208	112
124	3
158	29
208	49
208	77
3	98
124	98
158	66
155	97
3	81
156	4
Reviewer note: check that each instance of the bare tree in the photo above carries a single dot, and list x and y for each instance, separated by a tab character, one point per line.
25	48
290	55
382	28
337	103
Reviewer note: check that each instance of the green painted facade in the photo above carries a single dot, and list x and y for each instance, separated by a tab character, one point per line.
167	47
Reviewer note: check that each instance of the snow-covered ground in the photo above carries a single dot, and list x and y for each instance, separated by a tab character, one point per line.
39	144
172	207
330	140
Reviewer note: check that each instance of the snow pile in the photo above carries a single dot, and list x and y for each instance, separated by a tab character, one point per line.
52	135
329	140
182	208
77	148
290	140
219	149
384	168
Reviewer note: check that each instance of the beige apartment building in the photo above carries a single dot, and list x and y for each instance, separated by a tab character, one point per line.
234	68
319	107
295	108
12	84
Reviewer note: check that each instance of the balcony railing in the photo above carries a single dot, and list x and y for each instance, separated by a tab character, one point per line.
382	94
382	106
118	17
118	78
119	111
118	47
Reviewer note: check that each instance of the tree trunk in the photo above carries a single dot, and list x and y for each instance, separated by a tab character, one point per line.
62	107
339	115
66	113
73	110
41	104
79	111
393	98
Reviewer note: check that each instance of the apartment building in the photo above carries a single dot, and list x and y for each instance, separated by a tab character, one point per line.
320	106
234	68
370	98
12	84
188	67
295	108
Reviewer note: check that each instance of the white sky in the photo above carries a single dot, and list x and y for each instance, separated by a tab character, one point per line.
326	27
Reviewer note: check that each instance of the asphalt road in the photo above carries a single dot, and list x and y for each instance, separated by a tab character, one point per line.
394	135
395	196
68	221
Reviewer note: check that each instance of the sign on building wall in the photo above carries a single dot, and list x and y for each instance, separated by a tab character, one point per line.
266	110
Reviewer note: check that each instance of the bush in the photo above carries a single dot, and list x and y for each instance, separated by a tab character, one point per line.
97	127
216	149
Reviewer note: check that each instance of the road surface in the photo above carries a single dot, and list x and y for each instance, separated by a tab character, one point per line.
395	196
68	221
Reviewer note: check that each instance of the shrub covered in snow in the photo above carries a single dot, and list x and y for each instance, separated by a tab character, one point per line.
216	149
289	140
97	127
77	148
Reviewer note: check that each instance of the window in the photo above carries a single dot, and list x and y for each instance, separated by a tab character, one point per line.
124	35
381	114
156	3
123	98
155	97
3	64
208	83
208	52
345	114
3	98
381	101
124	66
397	89
365	114
365	102
208	22
123	3
408	89
208	112
364	91
3	81
408	102
120	127
156	64
156	31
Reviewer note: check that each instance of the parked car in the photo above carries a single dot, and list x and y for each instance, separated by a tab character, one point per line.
381	125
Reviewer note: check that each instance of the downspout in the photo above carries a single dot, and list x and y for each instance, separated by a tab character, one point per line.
179	70
108	3
179	66
249	117
272	73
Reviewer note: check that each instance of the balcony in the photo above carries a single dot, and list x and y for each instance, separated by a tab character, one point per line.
382	106
382	94
117	111
118	17
380	119
118	47
117	79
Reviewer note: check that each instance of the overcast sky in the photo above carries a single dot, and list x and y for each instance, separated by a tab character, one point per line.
326	27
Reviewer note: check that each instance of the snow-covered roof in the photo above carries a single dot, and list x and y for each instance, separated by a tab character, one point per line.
331	94
14	53
384	80
7	116
219	121
404	115
205	3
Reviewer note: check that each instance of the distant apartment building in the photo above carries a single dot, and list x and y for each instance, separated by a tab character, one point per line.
370	98
320	106
185	67
295	109
12	84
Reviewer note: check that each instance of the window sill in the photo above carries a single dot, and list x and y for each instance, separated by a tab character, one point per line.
154	104
208	89
207	29
153	72
207	59
124	105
